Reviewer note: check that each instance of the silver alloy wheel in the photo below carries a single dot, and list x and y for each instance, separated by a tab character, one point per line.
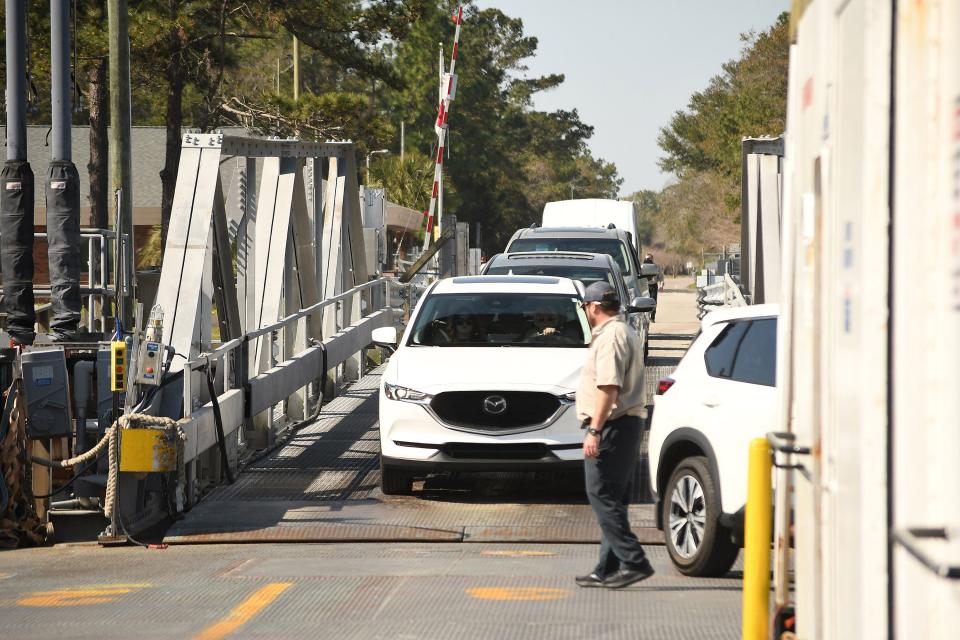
688	516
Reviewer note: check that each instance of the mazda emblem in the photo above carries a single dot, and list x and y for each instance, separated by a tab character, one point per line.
494	405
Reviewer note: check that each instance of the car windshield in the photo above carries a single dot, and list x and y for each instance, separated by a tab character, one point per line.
613	248
501	320
586	275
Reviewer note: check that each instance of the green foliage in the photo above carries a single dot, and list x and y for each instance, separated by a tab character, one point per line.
506	160
702	145
408	182
648	203
366	65
748	98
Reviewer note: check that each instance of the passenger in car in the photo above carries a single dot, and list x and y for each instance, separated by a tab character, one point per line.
546	322
465	329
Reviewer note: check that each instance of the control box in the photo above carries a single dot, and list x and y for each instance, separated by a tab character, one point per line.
118	366
45	387
150	364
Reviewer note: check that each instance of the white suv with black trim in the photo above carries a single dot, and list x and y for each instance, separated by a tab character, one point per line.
484	378
721	396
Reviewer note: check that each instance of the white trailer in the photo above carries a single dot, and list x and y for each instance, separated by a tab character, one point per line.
869	352
595	212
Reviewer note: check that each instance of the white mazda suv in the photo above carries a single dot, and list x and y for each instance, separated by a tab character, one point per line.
483	378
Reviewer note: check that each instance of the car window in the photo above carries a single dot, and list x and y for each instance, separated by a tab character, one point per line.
745	351
721	352
586	275
500	320
756	359
610	246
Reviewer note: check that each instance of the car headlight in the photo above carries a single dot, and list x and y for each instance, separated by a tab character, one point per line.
405	394
568	398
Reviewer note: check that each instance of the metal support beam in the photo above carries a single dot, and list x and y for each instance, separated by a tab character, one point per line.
16	36
120	162
16	190
186	257
60	79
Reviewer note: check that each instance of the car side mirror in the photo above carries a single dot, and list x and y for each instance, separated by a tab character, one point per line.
385	337
641	304
649	270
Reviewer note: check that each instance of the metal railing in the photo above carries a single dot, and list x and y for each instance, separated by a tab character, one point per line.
725	293
98	291
234	370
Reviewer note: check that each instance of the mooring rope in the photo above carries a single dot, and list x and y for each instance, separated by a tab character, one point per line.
109	439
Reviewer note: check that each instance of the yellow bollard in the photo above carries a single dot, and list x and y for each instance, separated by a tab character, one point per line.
756	548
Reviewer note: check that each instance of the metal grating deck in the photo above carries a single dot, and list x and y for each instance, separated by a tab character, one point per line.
323	485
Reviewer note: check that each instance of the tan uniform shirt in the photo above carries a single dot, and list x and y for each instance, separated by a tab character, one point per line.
615	358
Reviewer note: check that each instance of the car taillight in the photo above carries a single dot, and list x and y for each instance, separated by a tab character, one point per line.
664	385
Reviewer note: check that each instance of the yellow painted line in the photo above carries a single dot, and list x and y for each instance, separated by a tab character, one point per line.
518	554
79	596
518	594
245	611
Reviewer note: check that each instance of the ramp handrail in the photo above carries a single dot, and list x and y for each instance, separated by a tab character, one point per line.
319	306
238	388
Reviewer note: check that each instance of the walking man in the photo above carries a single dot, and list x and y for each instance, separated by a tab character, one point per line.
654	285
611	404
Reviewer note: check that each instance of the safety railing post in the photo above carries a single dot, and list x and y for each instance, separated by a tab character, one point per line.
272	361
756	549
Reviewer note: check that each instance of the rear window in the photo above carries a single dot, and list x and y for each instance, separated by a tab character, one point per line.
745	351
610	246
586	275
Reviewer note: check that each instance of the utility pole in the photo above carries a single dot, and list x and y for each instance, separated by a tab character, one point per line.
120	161
16	190
296	69
62	189
402	140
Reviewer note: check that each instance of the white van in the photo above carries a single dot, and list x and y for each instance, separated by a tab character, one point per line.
595	212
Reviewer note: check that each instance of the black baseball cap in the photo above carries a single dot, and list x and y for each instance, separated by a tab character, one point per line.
601	292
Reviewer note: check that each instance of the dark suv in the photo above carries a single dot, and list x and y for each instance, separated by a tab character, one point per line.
614	242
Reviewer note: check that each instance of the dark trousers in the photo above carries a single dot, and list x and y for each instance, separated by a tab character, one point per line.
609	477
654	290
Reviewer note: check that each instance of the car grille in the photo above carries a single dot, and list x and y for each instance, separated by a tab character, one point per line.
467	409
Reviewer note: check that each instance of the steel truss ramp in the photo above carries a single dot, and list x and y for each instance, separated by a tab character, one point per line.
293	249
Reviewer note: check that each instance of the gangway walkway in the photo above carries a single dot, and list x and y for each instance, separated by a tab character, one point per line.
323	484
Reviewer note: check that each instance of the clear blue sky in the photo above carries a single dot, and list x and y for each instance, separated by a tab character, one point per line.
630	64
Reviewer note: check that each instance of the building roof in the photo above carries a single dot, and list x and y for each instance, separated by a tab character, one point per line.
148	146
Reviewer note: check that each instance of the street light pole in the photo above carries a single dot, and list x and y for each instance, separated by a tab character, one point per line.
371	153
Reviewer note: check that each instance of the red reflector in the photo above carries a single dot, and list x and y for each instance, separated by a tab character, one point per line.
664	385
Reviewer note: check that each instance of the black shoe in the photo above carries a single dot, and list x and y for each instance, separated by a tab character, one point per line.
592	580
626	577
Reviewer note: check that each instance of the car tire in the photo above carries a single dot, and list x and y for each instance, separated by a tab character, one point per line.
698	545
395	482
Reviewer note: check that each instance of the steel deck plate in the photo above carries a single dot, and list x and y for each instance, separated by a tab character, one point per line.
322	485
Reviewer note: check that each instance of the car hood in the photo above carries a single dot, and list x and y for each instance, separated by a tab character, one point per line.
435	369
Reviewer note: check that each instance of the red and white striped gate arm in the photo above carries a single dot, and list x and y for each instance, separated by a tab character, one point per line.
442	115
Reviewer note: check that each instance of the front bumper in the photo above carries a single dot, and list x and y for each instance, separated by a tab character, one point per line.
412	437
443	462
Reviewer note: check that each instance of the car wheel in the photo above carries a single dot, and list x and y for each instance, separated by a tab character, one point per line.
395	482
698	545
